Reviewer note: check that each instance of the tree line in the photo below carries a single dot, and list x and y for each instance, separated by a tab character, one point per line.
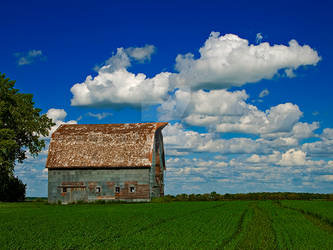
213	196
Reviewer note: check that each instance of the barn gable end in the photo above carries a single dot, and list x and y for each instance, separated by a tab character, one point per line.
106	162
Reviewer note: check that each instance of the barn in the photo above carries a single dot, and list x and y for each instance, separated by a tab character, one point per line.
106	162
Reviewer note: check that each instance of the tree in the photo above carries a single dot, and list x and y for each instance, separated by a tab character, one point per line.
21	128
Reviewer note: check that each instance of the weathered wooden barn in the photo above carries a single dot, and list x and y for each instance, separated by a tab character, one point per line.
106	162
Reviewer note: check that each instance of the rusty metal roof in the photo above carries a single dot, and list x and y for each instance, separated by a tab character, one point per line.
103	145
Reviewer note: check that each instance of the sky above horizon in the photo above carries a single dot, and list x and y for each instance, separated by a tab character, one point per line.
246	87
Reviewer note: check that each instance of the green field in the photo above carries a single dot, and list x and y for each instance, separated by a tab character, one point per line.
174	225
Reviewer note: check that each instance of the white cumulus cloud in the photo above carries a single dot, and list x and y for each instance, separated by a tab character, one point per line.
270	158
177	139
58	116
323	147
226	111
296	157
225	61
327	134
141	53
116	86
201	108
280	118
229	60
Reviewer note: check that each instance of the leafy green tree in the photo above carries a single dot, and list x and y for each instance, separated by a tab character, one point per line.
21	128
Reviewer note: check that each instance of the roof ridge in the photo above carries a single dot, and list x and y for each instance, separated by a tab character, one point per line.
97	124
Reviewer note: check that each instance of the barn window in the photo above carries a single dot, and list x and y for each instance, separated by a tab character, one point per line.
64	190
98	189
132	189
117	190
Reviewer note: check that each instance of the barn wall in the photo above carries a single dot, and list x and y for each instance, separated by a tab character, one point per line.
81	184
157	173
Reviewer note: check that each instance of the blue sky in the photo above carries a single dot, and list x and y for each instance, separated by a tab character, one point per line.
246	87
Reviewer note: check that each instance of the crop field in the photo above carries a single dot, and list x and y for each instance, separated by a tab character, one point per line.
174	225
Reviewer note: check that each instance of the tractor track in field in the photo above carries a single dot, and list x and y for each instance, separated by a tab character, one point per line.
316	219
259	214
269	218
240	226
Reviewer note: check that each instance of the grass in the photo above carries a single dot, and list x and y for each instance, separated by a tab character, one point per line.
173	225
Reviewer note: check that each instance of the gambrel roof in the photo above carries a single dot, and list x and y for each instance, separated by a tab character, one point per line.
103	145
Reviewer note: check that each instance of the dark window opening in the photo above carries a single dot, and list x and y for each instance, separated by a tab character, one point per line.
132	189
64	190
117	190
98	189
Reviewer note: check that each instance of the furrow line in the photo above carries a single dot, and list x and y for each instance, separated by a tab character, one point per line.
316	219
269	218
239	228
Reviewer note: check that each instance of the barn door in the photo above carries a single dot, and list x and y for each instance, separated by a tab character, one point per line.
78	194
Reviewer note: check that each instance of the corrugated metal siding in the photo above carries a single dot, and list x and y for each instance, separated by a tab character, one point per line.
81	184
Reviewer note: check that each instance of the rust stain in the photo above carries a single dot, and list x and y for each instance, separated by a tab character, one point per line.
103	145
105	197
92	186
150	157
110	184
141	191
72	183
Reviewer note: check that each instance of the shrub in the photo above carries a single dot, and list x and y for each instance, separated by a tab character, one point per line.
11	188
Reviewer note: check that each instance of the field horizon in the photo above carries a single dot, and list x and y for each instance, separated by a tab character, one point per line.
230	196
